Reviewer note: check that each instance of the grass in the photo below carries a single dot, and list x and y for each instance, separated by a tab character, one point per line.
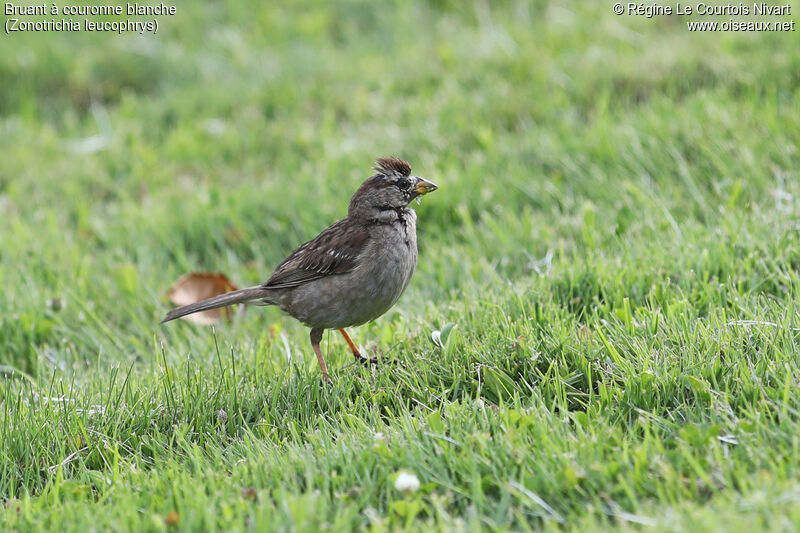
615	236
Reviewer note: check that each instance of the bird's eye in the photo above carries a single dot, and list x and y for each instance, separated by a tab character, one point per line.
403	183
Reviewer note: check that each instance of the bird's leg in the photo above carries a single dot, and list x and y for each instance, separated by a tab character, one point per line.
351	344
360	358
316	337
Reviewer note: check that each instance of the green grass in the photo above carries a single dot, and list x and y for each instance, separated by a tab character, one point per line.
616	236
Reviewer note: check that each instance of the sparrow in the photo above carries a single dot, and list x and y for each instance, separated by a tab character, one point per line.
352	272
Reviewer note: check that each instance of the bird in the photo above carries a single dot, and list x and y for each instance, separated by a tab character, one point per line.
353	271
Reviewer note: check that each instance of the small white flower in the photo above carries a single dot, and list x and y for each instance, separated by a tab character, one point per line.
380	436
406	482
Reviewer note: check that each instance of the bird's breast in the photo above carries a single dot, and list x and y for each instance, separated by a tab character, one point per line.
390	260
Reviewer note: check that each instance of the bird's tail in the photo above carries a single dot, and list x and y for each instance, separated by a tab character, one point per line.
223	300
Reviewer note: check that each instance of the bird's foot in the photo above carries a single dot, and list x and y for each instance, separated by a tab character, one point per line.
372	361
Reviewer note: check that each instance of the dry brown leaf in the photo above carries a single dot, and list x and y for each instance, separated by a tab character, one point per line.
196	286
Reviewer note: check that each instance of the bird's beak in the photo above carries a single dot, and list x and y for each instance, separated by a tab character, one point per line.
424	186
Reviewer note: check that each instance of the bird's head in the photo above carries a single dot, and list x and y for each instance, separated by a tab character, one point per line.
392	187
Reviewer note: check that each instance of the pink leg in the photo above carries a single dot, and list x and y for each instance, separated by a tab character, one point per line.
316	337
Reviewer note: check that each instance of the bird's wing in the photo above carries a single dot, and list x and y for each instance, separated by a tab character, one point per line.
334	251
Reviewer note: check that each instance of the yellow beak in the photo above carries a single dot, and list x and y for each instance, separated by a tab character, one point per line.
424	186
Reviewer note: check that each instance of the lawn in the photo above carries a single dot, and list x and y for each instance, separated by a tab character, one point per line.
616	238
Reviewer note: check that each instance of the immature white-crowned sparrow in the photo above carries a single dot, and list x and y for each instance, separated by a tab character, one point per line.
352	272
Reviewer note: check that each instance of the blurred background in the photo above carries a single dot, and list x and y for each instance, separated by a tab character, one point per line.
562	137
615	235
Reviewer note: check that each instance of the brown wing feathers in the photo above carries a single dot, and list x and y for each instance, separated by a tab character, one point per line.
334	251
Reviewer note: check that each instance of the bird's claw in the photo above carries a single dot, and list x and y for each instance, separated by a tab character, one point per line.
374	361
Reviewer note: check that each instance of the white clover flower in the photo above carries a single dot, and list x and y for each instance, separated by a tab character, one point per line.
406	482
